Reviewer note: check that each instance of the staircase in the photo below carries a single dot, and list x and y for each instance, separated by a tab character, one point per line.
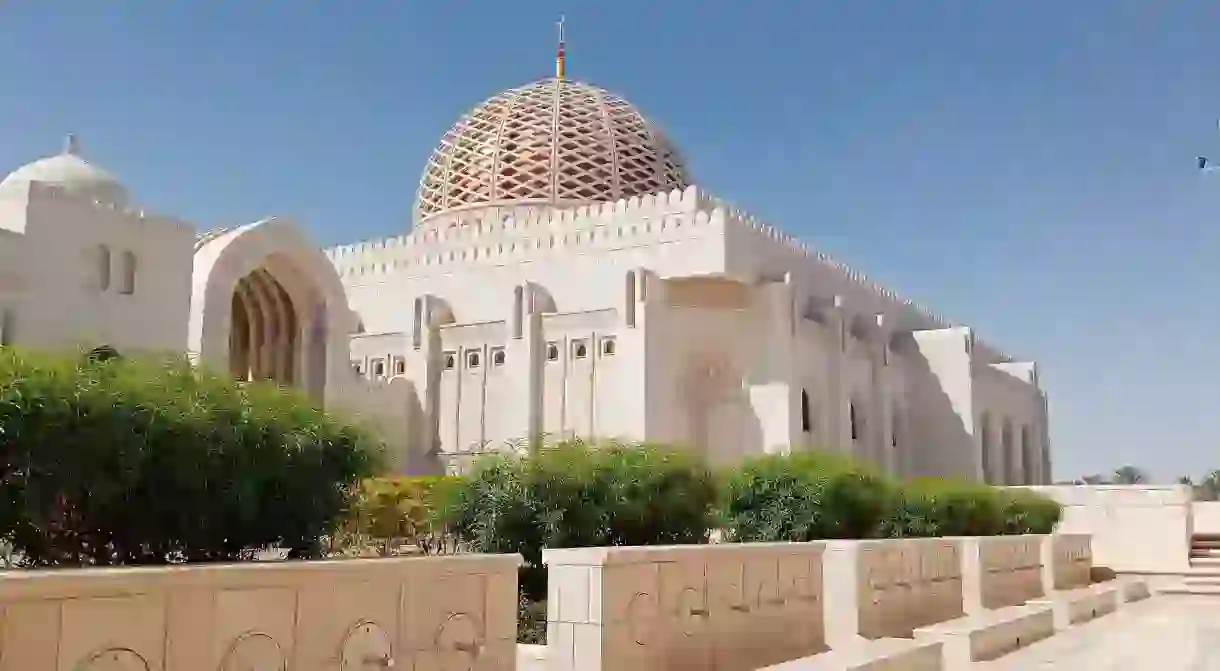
1205	551
1204	575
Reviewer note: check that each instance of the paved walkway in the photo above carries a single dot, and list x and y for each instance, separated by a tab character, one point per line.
1164	633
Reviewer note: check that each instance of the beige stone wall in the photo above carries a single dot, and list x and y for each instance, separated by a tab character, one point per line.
418	613
726	606
1071	560
1134	528
888	588
1001	571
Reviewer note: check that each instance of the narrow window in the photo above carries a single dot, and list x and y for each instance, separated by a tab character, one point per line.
358	367
379	368
103	267
497	356
128	286
450	360
472	359
400	366
855	429
579	349
607	346
806	420
552	352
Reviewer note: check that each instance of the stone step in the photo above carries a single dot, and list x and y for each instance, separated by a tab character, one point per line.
1212	590
1205	562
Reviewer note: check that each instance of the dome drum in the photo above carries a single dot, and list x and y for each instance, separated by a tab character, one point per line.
554	143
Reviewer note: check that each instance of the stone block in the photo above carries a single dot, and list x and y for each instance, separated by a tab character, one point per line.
1067	561
420	613
1131	589
732	606
999	571
1075	606
989	634
882	654
887	588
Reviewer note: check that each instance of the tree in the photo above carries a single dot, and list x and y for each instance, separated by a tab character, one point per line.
1129	475
119	460
1209	488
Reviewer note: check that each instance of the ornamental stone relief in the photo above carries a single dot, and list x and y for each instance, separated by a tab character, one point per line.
113	659
254	651
366	646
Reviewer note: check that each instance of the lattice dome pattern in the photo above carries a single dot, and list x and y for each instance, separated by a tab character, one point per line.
555	142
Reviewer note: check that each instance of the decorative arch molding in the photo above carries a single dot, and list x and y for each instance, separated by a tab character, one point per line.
270	263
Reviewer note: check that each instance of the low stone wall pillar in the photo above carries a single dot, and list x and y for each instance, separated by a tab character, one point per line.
887	588
733	607
1067	561
999	571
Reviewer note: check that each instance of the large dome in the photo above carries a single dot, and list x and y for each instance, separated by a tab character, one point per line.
68	171
555	142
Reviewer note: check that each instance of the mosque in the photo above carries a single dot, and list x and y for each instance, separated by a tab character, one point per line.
562	277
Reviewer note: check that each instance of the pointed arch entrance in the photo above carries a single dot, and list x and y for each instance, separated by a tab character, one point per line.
268	305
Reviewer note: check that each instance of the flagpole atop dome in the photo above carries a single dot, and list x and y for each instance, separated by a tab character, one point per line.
559	51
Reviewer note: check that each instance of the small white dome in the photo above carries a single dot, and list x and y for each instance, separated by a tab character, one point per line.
68	171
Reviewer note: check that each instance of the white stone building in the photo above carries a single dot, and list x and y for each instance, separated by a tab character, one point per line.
563	276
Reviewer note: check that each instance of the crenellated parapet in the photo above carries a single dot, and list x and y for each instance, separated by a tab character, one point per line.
484	238
481	239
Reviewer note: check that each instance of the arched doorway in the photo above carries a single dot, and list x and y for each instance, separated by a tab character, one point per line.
264	335
267	305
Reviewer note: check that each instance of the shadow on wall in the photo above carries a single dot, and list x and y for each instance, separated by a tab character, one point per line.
934	420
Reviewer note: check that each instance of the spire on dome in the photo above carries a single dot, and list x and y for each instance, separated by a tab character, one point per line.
559	52
71	145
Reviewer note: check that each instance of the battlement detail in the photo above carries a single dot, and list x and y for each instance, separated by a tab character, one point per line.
638	221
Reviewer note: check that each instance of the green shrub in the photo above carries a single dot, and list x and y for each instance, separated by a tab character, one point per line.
1027	512
804	496
576	494
109	460
932	507
399	510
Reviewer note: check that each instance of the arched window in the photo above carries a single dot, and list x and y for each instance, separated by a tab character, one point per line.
103	267
1008	468
985	446
855	422
806	420
128	285
1027	456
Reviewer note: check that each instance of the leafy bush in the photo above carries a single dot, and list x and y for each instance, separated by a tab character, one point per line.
108	460
932	507
400	510
804	496
1027	512
577	494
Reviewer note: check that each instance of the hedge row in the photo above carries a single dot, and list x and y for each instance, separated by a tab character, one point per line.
579	495
106	461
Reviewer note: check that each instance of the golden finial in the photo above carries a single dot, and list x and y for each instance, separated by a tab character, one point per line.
559	54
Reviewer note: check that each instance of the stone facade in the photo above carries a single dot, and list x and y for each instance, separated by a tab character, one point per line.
570	303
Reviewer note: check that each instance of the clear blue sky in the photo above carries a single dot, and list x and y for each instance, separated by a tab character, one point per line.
1024	167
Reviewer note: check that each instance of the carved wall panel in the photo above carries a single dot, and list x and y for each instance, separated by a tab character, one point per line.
726	607
435	613
1072	560
113	659
254	651
906	583
1010	570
